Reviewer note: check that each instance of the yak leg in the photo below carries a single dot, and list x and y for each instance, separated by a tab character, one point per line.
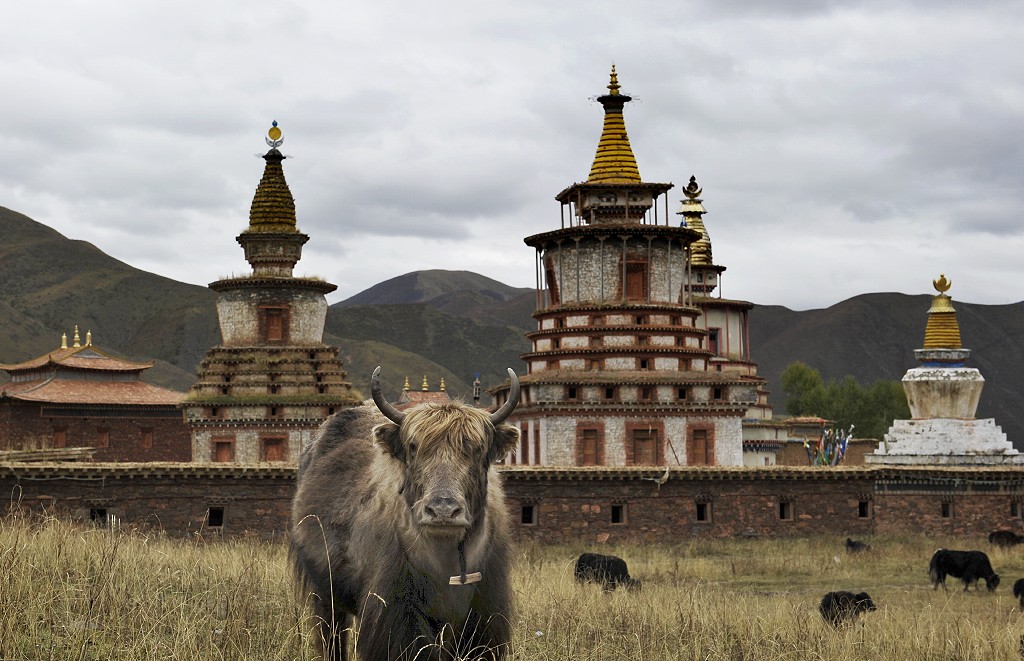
332	632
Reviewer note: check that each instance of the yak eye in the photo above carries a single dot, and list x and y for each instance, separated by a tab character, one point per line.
412	448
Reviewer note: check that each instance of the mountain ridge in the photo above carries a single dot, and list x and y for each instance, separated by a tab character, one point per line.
453	324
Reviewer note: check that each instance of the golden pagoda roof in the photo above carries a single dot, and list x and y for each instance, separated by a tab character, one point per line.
942	331
614	162
273	207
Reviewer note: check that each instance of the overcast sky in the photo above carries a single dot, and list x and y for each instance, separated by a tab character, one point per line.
843	148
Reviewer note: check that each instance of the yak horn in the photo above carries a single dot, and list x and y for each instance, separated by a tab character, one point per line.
389	411
506	409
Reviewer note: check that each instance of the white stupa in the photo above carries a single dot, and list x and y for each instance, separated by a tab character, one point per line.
943	396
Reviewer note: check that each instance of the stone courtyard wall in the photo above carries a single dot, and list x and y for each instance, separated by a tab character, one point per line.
570	506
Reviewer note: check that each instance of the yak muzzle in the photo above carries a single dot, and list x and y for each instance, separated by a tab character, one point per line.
444	512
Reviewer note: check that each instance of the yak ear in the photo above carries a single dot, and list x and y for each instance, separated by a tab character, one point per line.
506	437
388	437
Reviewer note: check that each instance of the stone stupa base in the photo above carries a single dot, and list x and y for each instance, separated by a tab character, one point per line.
945	442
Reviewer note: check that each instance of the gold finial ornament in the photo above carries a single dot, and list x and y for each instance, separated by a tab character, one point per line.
88	338
273	138
63	340
942	330
613	86
425	387
442	384
78	341
692	190
406	388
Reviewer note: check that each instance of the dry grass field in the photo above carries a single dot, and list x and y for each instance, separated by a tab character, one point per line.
72	592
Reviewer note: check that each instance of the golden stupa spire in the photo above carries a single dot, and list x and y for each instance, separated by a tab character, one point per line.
425	387
942	331
406	387
63	340
88	338
78	340
692	212
614	162
273	207
442	384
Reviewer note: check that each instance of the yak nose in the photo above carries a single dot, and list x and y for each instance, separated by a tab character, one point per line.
443	509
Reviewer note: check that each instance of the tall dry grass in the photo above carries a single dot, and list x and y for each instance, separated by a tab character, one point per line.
73	592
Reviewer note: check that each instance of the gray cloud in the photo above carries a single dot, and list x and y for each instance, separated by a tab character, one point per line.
843	147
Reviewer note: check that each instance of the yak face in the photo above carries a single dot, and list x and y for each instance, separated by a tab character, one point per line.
446	451
864	603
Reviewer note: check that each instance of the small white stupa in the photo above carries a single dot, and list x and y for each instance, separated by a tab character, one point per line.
943	396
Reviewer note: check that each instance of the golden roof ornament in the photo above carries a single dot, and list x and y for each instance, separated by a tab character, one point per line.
692	190
692	212
63	340
406	387
78	340
942	331
614	162
613	86
442	384
88	338
425	387
274	139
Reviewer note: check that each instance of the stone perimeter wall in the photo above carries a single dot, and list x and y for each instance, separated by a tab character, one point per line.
570	506
131	436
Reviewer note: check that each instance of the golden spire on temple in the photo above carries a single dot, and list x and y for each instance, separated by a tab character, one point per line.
78	341
406	388
942	331
614	162
692	212
442	384
63	340
88	338
273	207
425	387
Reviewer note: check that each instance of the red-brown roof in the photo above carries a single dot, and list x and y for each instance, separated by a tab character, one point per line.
85	357
66	391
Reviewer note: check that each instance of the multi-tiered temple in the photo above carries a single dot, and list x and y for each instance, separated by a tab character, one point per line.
619	371
943	396
266	388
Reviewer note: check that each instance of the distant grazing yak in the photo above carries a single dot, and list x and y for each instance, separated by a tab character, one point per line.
841	607
855	546
607	570
968	566
399	519
1005	538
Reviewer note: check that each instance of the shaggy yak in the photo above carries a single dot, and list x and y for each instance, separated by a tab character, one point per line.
1005	538
968	566
842	607
607	570
407	531
1018	591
